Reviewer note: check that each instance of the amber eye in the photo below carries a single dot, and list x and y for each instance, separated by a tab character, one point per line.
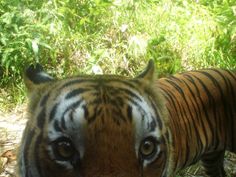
148	148
64	149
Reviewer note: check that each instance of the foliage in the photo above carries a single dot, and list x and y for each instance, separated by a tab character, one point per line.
113	36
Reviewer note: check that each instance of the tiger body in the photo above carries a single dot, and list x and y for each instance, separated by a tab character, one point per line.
111	126
202	117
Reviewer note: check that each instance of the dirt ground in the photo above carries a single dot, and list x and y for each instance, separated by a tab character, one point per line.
12	125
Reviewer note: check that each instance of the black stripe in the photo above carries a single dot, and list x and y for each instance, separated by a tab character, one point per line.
129	83
92	118
26	151
196	108
44	100
124	91
37	148
233	75
117	114
231	91
120	100
212	103
179	89
191	79
53	112
195	117
41	118
135	103
158	117
97	80
63	122
86	112
152	125
217	85
71	118
174	102
57	126
72	82
129	113
185	112
71	107
75	92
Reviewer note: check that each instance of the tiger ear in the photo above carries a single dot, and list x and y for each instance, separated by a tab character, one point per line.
149	73
34	76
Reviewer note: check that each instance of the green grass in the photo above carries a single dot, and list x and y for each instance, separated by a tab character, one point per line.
118	37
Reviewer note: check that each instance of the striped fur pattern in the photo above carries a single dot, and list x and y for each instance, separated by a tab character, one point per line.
202	117
112	126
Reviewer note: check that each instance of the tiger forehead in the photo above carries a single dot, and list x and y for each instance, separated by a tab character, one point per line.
98	97
105	99
98	82
102	89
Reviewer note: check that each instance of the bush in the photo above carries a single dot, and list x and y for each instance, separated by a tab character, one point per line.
117	37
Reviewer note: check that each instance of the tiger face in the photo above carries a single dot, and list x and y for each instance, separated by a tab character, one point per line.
94	126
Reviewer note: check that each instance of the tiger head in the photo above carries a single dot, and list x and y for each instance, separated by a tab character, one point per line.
94	126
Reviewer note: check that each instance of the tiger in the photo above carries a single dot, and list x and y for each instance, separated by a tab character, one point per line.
117	126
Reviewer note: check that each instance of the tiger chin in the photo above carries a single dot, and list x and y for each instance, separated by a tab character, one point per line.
113	126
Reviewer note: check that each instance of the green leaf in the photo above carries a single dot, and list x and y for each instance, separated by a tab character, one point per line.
35	47
45	45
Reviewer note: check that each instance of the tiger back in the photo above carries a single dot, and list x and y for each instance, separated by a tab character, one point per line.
113	126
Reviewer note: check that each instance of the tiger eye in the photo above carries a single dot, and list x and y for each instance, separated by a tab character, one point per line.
65	149
148	148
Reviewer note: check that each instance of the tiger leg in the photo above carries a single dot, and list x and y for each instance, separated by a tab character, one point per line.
213	164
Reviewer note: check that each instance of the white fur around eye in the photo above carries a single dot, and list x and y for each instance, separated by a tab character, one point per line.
74	124
149	153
